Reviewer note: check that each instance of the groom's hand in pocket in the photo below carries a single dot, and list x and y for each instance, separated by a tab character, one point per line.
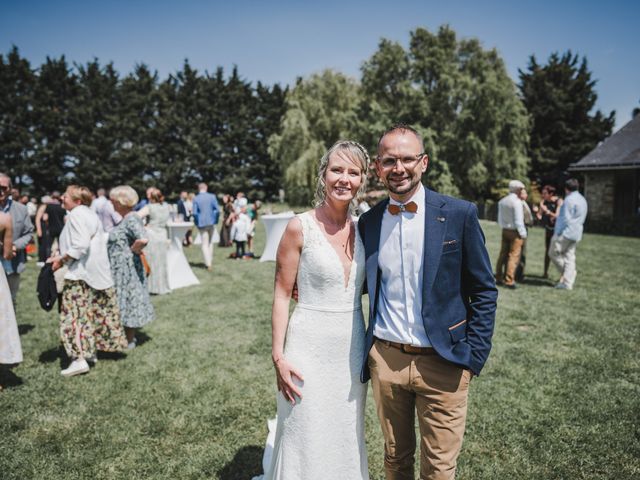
285	374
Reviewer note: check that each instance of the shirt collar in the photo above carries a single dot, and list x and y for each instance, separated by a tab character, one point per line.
6	208
418	198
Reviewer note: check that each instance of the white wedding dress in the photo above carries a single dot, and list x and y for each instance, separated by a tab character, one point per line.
10	348
321	437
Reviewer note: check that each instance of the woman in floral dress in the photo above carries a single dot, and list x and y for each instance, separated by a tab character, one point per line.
89	316
126	241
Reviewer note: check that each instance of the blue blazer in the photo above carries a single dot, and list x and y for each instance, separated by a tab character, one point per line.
205	209
459	292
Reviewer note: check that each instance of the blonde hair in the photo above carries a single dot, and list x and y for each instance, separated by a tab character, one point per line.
356	153
124	195
80	194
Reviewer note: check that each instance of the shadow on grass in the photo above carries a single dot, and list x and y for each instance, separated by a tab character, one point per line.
246	463
58	354
537	281
142	338
25	328
8	379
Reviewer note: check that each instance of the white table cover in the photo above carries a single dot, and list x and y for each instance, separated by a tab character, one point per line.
274	226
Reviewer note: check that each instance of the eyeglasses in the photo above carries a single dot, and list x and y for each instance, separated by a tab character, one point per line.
407	162
4	188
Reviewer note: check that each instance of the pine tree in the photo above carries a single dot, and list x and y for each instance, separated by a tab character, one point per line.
560	97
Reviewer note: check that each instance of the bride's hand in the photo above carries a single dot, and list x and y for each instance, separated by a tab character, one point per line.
285	372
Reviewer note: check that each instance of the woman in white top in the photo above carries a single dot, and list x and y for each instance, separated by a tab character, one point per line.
89	317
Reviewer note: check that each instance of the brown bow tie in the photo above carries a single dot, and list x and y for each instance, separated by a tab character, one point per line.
411	207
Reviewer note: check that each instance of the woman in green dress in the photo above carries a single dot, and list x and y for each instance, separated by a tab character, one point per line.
157	211
126	241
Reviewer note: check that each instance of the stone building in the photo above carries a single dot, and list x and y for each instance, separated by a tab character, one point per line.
611	173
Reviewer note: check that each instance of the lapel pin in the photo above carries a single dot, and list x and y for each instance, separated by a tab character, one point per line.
440	219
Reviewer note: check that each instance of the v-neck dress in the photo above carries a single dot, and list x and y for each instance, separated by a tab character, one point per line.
322	435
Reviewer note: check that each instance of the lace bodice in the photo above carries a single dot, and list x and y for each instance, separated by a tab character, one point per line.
321	278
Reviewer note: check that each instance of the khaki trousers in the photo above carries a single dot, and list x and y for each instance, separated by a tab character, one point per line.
509	257
562	253
405	384
206	234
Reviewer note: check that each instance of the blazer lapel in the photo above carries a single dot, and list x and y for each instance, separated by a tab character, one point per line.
435	226
371	248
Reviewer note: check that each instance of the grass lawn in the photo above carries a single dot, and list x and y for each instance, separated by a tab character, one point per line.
559	397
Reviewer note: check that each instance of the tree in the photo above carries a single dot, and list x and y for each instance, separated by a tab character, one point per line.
319	111
16	99
560	97
460	98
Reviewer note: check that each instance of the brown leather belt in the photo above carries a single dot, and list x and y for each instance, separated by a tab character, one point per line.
408	348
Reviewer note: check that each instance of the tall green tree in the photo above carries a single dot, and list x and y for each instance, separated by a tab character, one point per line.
17	81
96	124
460	98
54	158
319	111
560	97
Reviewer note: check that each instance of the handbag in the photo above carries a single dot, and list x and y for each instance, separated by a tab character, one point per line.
46	287
145	264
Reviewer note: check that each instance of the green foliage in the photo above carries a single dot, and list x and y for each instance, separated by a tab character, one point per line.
86	125
560	97
461	97
456	94
319	111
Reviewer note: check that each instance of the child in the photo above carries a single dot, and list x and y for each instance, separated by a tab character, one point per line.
240	230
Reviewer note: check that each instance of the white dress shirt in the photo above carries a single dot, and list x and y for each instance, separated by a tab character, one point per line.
511	214
84	240
106	213
400	258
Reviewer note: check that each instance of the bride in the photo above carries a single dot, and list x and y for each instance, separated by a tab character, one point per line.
317	353
10	348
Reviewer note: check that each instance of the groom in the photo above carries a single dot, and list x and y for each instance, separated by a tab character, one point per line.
432	307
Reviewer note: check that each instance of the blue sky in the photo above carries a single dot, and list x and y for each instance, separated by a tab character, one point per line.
278	41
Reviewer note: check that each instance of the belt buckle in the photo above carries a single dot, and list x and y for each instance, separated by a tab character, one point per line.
411	349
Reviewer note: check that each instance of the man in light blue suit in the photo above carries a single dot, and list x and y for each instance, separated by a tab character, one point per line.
567	233
205	215
432	303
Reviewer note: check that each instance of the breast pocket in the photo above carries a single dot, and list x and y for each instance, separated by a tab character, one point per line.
449	246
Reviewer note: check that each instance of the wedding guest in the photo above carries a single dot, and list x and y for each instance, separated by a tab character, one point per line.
55	215
511	220
227	213
126	241
22	229
10	347
157	211
252	212
240	201
567	233
240	231
89	318
528	222
105	211
42	230
547	214
205	214
185	209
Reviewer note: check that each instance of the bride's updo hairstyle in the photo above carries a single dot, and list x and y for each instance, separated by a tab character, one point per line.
356	153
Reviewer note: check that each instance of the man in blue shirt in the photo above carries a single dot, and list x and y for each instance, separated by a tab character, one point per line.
205	215
567	233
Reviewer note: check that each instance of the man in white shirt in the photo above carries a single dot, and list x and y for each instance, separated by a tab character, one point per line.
105	211
567	233
432	302
511	219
